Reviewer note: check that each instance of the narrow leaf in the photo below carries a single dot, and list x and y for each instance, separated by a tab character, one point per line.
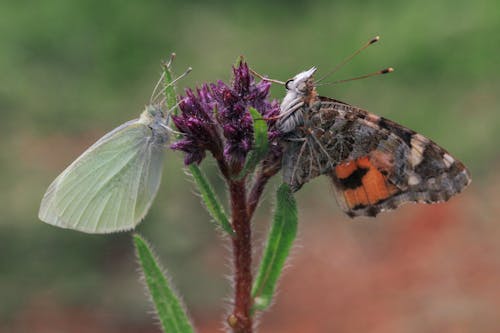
260	144
210	199
170	93
280	239
168	306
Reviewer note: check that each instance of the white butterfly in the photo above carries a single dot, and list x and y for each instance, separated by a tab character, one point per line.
111	186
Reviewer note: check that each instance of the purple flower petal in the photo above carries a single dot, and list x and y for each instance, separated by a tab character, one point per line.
216	118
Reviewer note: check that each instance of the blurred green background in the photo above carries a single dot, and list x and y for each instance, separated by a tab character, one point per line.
72	70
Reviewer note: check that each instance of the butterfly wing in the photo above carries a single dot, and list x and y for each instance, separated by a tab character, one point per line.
375	164
110	186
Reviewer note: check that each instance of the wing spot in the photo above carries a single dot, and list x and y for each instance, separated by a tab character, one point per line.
448	160
363	184
418	144
354	180
413	180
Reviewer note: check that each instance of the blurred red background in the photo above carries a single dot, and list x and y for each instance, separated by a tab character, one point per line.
422	269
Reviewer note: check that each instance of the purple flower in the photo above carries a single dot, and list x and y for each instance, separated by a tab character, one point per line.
216	118
197	124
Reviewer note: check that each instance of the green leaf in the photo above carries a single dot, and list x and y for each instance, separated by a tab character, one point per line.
210	199
260	144
168	306
280	239
170	93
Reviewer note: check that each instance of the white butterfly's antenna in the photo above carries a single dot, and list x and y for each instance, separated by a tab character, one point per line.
172	57
186	72
349	58
169	111
380	72
265	78
155	89
154	94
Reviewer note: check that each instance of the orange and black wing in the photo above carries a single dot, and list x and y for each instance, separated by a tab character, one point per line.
375	164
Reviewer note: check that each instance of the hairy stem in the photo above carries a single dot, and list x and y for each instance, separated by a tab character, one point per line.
240	320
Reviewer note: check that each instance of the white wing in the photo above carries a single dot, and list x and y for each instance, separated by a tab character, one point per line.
111	186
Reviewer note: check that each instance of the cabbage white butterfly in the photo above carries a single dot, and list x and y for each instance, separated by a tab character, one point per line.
111	186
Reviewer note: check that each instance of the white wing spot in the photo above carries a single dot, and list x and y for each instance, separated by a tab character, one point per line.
448	160
418	144
413	180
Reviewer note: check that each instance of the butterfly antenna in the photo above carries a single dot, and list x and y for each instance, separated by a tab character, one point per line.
154	94
155	89
254	73
169	63
169	111
349	58
186	72
383	71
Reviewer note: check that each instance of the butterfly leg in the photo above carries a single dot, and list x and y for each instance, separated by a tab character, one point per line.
330	162
316	156
297	162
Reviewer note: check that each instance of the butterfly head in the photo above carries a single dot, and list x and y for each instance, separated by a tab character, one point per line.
153	116
152	113
300	91
302	83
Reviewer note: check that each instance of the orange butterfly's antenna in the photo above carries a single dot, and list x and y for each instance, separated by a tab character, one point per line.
349	58
383	71
265	78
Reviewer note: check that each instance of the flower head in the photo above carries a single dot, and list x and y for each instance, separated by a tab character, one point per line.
217	118
197	124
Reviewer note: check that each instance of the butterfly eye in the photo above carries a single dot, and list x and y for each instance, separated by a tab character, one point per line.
287	84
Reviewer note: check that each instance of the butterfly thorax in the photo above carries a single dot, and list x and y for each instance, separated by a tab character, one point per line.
311	94
154	117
